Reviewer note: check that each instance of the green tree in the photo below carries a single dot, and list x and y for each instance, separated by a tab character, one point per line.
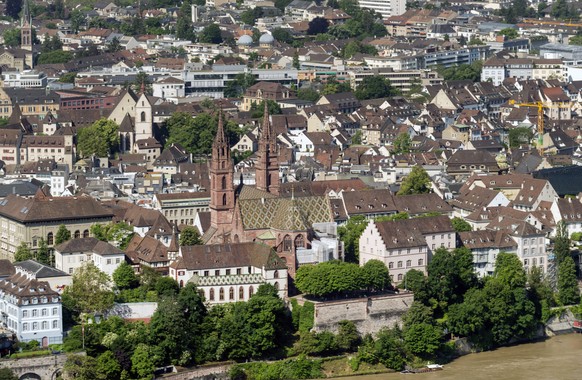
22	253
68	78
413	280
347	337
7	374
389	349
184	27
376	276
13	8
167	328
142	362
11	37
317	25
470	72
167	287
568	291
211	34
474	41
282	35
374	87
519	135
417	182
561	243
90	291
350	234
53	57
190	236
423	339
418	314
258	109
461	225
101	139
509	270
62	235
329	278
43	254
80	367
250	16
77	19
238	86
107	366
124	277
332	86
402	143
308	94
142	83
509	33
192	305
296	62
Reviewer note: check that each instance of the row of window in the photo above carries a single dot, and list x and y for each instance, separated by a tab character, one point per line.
50	237
408	264
34	325
43	312
231	291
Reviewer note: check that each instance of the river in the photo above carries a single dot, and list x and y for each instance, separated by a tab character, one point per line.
557	358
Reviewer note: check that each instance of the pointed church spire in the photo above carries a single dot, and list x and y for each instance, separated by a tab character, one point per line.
267	130
220	135
26	19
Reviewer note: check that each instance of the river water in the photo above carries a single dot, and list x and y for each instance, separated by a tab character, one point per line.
557	358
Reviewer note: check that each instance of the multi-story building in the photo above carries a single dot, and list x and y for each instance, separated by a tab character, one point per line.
386	8
406	244
485	245
74	253
24	79
32	101
29	307
28	220
230	272
181	208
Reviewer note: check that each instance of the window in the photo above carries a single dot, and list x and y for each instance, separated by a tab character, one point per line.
217	272
45	325
390	265
44	312
206	273
299	241
108	261
34	326
251	291
221	294
86	233
276	274
238	271
25	327
223	182
35	313
241	293
231	294
55	311
211	295
77	234
55	324
400	264
287	243
50	238
420	262
400	277
224	199
143	116
24	313
408	263
228	272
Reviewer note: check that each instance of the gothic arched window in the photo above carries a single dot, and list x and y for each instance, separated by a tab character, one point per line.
287	243
299	241
224	199
143	116
223	182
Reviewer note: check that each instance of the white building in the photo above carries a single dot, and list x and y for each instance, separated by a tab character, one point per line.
386	8
406	244
25	79
485	245
230	272
29	307
169	88
74	253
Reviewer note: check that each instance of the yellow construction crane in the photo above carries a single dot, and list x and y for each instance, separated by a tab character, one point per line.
540	107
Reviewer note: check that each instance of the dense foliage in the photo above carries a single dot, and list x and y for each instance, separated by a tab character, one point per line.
101	139
417	182
470	72
334	278
374	87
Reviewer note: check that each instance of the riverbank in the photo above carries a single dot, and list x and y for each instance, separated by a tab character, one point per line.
347	367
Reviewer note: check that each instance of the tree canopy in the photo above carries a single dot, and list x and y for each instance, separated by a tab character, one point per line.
210	34
90	291
417	182
190	236
374	87
62	235
461	225
100	138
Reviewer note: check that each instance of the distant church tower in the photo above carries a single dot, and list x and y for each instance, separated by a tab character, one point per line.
267	166
221	184
26	28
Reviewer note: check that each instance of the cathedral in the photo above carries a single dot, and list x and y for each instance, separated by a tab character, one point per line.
259	213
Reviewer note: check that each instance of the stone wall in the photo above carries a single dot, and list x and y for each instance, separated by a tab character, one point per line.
45	367
213	372
369	314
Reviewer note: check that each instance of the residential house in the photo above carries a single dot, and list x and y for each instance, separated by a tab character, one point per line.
485	245
406	244
74	253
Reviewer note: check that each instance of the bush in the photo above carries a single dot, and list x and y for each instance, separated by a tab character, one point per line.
306	317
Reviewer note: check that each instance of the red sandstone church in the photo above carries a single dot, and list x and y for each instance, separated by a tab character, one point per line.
259	213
